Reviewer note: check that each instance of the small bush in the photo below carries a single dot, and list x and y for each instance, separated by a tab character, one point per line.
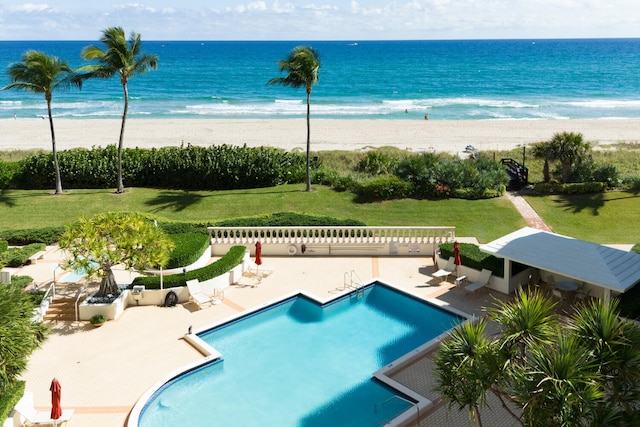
636	248
386	187
224	264
479	193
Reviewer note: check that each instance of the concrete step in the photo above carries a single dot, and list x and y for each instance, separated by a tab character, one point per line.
61	309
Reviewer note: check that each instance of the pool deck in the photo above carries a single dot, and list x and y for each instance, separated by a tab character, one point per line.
103	371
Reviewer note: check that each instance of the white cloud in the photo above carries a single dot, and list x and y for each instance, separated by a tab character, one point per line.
29	7
325	19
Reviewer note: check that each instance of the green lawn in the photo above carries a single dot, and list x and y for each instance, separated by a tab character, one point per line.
602	218
611	217
484	219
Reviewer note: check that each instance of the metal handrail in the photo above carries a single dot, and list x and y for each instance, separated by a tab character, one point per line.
79	294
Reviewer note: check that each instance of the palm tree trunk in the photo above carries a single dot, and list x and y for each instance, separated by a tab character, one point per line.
56	167
120	188
308	139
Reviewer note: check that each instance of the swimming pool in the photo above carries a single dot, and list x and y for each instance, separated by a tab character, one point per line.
298	363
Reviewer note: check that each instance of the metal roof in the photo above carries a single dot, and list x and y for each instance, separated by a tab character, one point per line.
588	262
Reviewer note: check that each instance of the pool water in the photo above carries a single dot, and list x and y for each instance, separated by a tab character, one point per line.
301	364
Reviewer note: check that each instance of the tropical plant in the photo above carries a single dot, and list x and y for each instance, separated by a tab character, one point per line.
124	58
302	66
544	150
19	334
100	242
570	149
583	370
40	73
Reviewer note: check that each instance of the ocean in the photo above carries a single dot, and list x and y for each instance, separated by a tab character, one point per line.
455	80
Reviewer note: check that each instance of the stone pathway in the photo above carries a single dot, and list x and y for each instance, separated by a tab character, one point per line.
527	212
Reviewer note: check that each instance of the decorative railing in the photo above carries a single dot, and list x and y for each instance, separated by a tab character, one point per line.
343	236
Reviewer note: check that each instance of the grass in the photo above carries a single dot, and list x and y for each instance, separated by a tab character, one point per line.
484	219
610	217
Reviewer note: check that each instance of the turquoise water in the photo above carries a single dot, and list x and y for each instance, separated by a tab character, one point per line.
301	364
73	276
460	80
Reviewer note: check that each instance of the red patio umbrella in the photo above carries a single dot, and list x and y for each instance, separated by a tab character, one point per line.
258	253
56	391
456	254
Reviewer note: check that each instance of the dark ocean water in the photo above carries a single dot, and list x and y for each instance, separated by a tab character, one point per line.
460	80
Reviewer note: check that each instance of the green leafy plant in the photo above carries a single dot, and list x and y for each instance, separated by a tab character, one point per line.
98	319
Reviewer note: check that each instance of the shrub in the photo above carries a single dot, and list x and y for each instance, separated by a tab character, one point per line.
21	281
386	187
377	163
221	266
479	193
188	248
636	248
4	245
8	172
9	397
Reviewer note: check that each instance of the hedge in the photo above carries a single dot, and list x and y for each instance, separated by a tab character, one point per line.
15	257
230	260
570	188
188	248
4	245
222	167
471	257
289	219
46	235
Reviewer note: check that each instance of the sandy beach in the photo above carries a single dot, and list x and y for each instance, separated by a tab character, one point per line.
326	134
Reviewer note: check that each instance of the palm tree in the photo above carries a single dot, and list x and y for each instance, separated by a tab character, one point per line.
544	150
124	58
302	67
570	149
40	73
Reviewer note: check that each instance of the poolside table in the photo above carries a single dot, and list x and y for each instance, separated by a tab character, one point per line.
567	286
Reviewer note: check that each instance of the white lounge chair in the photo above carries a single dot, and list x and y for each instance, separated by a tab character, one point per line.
482	281
197	294
444	273
30	417
257	272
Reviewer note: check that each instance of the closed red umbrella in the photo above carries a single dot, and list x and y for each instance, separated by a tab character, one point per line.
456	254
258	253
56	391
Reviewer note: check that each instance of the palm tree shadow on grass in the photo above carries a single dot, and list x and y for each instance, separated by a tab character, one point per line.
6	199
575	204
176	201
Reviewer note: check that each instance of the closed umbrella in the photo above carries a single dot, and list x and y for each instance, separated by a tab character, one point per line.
456	256
258	253
56	391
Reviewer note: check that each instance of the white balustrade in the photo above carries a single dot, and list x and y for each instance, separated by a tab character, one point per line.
327	240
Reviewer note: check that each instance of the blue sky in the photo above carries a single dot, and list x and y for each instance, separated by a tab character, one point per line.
321	19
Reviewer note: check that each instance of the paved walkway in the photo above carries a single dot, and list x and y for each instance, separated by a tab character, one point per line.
527	212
